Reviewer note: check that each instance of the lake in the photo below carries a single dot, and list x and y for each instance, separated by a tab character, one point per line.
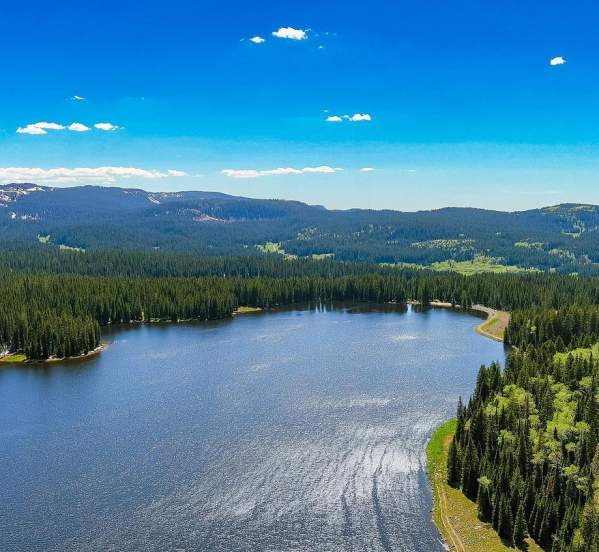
299	429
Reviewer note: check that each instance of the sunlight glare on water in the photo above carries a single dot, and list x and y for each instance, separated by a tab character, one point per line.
295	430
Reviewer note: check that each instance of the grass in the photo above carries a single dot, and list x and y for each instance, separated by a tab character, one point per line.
12	359
494	327
453	513
584	352
272	247
246	310
477	265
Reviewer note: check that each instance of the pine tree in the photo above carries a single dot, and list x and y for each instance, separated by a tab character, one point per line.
506	526
519	533
485	506
470	466
454	465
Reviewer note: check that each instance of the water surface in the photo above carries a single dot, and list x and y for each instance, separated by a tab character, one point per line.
296	430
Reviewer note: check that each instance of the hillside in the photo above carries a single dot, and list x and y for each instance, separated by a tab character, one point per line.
562	238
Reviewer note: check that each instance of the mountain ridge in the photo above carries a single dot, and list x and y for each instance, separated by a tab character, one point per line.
558	237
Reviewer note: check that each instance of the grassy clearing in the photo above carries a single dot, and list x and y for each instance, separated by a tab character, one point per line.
584	352
272	247
494	327
246	310
12	359
477	265
453	513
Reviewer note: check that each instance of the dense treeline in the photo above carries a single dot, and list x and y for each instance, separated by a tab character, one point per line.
525	446
48	314
507	291
568	327
44	259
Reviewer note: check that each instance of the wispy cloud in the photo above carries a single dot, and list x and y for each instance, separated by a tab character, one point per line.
107	174
257	40
281	171
558	60
291	33
43	127
39	128
78	127
77	98
355	118
367	169
106	126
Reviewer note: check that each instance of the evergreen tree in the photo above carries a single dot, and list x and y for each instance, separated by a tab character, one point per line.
519	533
454	465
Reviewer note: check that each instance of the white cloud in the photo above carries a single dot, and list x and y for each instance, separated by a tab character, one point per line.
81	174
281	171
78	127
367	169
49	126
39	128
257	40
31	129
291	33
558	60
357	117
106	126
78	98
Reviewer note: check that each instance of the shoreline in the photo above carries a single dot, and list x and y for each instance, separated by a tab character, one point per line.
19	358
94	352
492	328
455	515
495	324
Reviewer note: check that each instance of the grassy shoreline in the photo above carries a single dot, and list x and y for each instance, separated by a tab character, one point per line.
20	358
495	324
455	515
246	310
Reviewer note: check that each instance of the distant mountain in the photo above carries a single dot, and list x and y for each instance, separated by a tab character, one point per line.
562	237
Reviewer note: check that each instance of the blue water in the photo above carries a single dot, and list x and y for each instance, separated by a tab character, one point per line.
298	430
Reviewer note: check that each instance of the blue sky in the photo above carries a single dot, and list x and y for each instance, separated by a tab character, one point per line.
458	102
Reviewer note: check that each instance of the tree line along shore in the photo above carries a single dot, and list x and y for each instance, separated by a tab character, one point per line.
47	312
524	446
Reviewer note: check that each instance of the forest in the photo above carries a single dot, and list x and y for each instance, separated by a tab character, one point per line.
560	238
53	304
525	447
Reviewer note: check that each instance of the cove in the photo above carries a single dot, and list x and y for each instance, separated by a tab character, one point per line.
295	429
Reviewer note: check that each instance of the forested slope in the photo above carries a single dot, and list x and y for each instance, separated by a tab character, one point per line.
525	446
562	238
